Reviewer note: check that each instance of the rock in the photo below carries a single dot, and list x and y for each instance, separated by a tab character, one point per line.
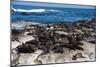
61	32
25	38
25	49
57	49
30	58
78	55
15	32
55	43
37	62
15	44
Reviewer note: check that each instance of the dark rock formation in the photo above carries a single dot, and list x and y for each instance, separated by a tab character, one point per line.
25	49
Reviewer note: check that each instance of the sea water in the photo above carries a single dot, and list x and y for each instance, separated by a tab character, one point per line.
43	14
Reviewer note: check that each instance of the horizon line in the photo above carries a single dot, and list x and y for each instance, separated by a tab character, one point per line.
48	4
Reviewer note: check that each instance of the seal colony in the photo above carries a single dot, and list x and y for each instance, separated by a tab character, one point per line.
54	43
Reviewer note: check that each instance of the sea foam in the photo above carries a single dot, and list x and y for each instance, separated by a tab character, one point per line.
35	10
22	24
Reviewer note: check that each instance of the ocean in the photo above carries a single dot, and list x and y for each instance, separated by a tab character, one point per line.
43	14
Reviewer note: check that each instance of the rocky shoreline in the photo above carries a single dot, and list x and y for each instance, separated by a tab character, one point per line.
54	43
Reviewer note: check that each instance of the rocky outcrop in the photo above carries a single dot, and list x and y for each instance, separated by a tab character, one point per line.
55	43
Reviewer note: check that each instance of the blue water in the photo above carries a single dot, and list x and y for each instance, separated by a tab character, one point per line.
52	14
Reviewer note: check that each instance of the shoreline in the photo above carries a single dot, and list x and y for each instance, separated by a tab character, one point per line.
27	23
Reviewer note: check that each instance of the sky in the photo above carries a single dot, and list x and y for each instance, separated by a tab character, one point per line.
32	3
86	2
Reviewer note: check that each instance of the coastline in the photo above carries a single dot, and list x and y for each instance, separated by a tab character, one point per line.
70	42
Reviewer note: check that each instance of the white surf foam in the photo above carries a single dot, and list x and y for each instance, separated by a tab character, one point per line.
52	10
35	10
22	24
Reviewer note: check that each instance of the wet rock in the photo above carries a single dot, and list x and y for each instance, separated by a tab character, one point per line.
15	32
32	42
25	49
15	38
57	49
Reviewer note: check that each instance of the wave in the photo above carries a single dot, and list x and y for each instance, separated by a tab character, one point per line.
22	24
35	10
